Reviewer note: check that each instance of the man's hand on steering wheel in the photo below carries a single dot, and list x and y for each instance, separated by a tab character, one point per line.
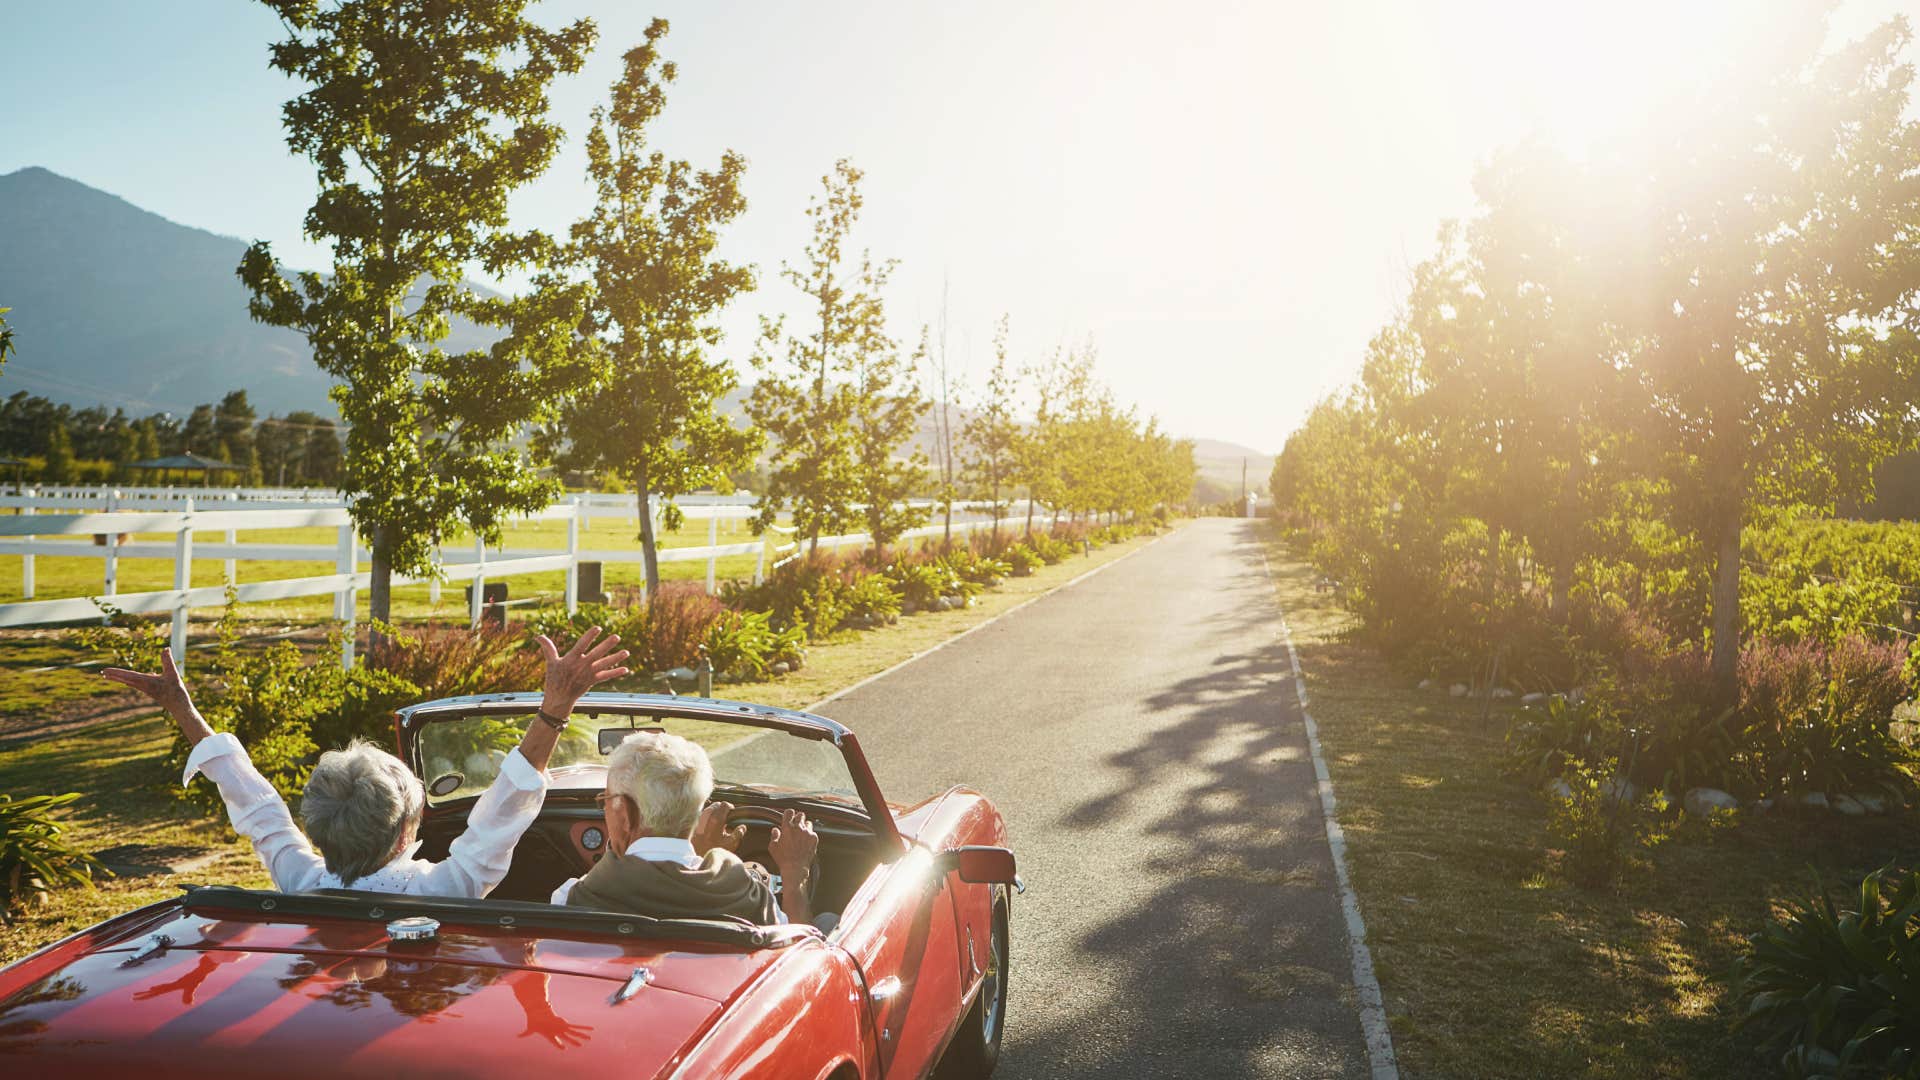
792	847
711	830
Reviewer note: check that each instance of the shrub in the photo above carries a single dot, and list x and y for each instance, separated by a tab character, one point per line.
678	617
744	644
629	621
448	661
1559	738
872	596
1023	560
1821	719
981	570
917	583
809	593
126	641
1051	549
1837	994
34	859
1597	829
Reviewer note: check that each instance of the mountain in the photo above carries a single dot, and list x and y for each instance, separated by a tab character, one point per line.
1219	464
116	305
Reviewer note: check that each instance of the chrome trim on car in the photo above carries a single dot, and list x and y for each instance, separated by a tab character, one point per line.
640	977
413	928
153	946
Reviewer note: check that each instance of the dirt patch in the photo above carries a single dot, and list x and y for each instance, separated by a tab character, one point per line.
66	717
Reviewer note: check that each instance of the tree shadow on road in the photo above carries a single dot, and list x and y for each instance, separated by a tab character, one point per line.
1233	960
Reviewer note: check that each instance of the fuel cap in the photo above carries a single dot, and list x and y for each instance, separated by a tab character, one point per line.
413	928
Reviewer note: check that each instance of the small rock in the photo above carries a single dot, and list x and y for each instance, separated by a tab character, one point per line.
1576	695
1458	689
941	603
1704	801
1813	800
1425	684
908	607
1534	698
1872	803
1560	789
1500	693
1619	789
954	601
780	667
1846	804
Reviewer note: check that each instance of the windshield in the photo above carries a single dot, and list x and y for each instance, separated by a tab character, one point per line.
459	757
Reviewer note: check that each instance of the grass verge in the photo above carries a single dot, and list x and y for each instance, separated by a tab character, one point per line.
129	815
1491	963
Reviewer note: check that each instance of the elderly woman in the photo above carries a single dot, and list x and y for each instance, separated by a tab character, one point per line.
362	805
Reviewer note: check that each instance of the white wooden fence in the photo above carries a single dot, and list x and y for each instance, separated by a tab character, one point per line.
108	516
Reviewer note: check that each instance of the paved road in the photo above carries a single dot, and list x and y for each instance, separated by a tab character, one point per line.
1140	734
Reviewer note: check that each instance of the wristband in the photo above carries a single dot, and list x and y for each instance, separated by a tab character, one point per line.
553	722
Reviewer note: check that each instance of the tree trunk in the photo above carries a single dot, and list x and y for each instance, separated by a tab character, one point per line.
379	589
1029	513
1558	586
1726	613
649	545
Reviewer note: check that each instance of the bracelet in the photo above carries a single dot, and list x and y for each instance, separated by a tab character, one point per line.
553	722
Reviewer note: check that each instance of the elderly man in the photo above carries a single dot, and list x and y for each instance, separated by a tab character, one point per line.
362	805
669	858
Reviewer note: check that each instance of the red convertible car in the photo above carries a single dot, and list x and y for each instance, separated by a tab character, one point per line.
909	974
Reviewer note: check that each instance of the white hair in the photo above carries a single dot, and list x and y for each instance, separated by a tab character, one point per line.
360	803
667	777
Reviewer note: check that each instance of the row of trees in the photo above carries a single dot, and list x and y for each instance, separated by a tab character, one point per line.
300	448
1621	363
421	118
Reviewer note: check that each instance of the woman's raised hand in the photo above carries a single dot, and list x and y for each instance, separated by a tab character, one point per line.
166	688
572	673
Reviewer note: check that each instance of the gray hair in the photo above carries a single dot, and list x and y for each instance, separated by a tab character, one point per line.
666	776
360	802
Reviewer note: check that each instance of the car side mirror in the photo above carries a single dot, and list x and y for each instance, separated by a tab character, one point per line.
978	864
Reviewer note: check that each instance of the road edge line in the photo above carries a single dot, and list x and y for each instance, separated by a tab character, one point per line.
984	623
1373	1011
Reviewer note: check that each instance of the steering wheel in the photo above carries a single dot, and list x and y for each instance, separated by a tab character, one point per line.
768	816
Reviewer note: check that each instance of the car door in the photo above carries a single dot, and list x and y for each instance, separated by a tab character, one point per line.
902	932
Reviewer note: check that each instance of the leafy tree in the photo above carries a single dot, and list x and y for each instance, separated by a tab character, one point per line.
1777	350
60	467
991	436
6	338
421	118
322	460
200	435
147	440
804	400
233	422
946	390
1035	450
887	407
282	443
651	245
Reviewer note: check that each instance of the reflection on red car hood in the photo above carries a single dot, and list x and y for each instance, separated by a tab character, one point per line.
243	996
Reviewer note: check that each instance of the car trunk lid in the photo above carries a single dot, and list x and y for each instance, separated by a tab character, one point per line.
237	995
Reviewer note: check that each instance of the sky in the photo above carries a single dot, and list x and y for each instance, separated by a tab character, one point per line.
1225	198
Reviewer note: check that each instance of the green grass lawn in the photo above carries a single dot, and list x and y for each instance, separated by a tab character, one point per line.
128	807
56	577
1493	964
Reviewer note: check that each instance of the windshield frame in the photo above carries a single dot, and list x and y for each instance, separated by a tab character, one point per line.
410	721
